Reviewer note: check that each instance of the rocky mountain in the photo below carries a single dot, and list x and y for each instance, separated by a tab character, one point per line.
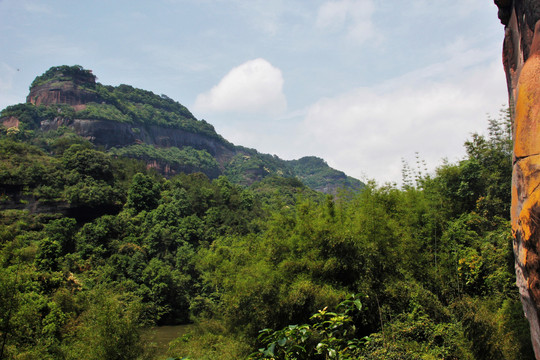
139	124
521	60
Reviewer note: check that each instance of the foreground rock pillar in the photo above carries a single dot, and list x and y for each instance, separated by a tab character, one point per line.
521	58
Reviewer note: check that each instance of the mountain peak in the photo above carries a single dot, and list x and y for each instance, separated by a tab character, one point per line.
156	129
71	85
76	74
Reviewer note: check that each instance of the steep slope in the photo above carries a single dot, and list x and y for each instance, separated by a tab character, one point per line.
316	174
521	59
139	124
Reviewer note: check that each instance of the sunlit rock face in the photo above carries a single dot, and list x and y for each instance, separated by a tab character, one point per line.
78	89
72	92
521	59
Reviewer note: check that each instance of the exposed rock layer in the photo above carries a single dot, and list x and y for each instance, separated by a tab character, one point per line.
77	93
61	92
521	59
160	122
114	134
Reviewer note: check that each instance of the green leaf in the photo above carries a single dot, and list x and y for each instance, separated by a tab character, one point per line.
332	353
270	350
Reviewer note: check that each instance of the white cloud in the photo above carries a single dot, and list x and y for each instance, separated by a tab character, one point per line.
353	16
374	128
253	87
457	8
262	14
36	7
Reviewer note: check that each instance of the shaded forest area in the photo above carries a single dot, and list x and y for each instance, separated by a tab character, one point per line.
95	249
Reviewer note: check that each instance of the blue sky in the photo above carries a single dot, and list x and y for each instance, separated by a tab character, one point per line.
360	83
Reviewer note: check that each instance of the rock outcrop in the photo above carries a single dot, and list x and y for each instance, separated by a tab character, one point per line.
109	134
154	129
64	85
61	92
521	59
75	86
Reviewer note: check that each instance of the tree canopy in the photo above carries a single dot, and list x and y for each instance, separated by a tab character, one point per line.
96	248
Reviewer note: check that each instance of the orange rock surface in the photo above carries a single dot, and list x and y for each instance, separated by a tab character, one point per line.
521	59
65	92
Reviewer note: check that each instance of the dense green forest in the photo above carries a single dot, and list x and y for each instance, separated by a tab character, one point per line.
122	103
95	249
139	124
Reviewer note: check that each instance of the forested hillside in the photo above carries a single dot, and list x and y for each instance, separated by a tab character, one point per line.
97	248
138	124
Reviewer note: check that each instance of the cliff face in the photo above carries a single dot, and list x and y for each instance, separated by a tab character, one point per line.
61	92
114	134
521	59
76	87
111	133
155	129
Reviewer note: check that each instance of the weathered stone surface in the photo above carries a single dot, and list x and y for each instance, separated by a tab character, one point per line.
527	110
112	133
61	92
115	134
10	121
78	92
521	59
505	9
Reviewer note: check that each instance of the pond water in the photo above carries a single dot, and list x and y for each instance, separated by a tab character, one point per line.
163	335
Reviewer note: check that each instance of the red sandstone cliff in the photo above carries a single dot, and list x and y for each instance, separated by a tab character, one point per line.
76	87
521	59
64	85
61	92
